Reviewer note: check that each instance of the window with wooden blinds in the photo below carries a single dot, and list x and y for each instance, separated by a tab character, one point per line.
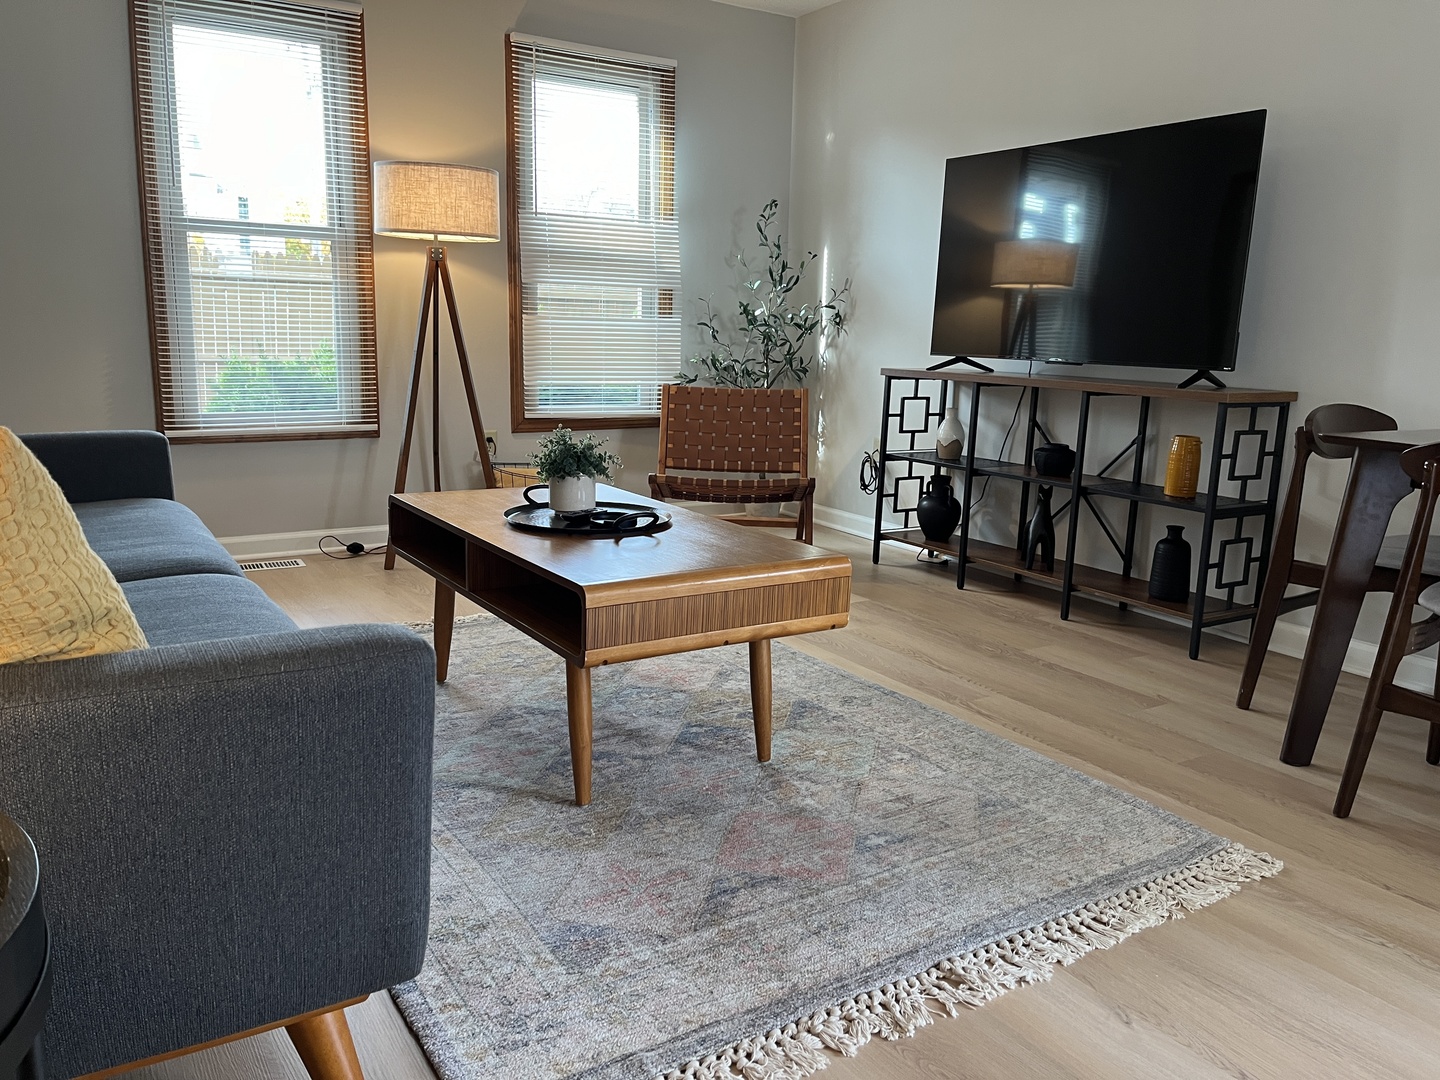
255	198
594	245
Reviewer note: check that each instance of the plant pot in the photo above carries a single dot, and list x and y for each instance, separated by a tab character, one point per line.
1055	459
572	496
1170	567
938	511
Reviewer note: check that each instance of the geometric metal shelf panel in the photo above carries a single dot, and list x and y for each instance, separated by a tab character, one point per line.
924	415
1261	454
918	488
1244	562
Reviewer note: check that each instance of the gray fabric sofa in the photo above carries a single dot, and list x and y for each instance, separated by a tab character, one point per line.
234	824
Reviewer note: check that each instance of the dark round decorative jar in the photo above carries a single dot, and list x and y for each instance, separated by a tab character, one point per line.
938	510
1054	459
1170	568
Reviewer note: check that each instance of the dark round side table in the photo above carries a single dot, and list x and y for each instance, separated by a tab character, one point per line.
24	956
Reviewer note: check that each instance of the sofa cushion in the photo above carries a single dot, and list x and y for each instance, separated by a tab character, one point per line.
57	598
149	538
203	607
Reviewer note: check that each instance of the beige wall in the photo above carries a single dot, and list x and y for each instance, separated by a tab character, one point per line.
1345	266
74	347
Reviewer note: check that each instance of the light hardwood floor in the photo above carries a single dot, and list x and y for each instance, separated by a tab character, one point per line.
1331	969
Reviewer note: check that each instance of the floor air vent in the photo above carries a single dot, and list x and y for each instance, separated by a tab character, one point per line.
269	564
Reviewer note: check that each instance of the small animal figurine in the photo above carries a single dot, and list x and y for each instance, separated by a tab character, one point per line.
1040	533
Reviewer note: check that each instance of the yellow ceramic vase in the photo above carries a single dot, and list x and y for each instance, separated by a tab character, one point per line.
1182	474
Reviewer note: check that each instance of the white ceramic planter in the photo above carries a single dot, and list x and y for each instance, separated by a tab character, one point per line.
572	495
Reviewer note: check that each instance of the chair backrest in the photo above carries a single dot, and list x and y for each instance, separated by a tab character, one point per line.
1414	460
1334	419
1421	464
723	429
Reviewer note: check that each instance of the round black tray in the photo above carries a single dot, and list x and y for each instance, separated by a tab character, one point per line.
608	519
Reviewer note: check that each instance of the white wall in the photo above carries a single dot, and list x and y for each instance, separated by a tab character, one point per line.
74	344
1345	265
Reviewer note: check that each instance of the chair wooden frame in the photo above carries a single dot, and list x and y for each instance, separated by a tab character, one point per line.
1285	569
719	429
1401	637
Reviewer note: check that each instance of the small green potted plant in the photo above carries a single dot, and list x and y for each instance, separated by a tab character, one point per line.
569	466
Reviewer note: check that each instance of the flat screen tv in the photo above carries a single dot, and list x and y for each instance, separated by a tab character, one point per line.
1126	249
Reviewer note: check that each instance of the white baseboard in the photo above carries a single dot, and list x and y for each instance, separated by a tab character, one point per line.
277	545
1416	672
844	521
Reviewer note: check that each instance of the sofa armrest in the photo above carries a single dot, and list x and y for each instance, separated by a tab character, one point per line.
94	466
230	832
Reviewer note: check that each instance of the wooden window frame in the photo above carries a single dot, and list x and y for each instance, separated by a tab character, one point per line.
665	196
166	276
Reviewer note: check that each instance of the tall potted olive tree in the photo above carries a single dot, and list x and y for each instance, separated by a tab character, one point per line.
767	340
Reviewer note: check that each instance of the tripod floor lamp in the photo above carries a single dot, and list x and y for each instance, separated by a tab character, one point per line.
428	200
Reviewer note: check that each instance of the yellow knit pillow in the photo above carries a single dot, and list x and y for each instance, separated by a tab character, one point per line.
57	599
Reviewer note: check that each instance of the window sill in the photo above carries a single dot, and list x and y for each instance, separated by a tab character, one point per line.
266	436
582	423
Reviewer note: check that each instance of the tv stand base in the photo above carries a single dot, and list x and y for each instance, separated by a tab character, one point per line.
961	360
1201	376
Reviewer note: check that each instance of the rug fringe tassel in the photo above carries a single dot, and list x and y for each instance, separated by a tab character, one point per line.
899	1009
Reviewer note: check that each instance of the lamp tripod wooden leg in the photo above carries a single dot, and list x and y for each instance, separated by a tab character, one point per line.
437	280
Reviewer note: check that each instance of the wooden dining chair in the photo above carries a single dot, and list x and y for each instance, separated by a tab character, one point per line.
1285	569
762	433
1402	635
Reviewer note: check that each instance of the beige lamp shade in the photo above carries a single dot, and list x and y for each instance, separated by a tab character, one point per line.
429	200
1040	264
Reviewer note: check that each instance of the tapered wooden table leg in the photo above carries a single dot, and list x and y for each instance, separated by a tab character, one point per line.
325	1046
444	627
760	696
577	702
1377	484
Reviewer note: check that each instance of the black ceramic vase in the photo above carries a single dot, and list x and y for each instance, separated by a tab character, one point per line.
1040	532
1170	568
1054	459
938	510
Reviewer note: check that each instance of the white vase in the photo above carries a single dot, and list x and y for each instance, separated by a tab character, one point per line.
572	495
950	436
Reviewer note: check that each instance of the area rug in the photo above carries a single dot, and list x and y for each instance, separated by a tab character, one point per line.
708	917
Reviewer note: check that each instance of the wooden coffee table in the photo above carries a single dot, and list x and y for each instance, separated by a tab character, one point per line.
700	583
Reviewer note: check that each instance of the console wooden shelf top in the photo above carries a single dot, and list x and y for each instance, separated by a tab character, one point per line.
1138	388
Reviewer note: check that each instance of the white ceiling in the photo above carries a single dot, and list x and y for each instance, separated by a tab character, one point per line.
794	8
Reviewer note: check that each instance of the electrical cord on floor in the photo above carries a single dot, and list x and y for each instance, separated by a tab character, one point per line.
353	550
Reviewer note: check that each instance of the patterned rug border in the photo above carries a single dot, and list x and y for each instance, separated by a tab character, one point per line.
898	1009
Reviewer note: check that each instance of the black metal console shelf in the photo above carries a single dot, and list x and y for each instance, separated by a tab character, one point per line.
1245	455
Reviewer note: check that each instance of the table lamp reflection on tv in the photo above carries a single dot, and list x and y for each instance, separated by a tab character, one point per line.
1031	264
